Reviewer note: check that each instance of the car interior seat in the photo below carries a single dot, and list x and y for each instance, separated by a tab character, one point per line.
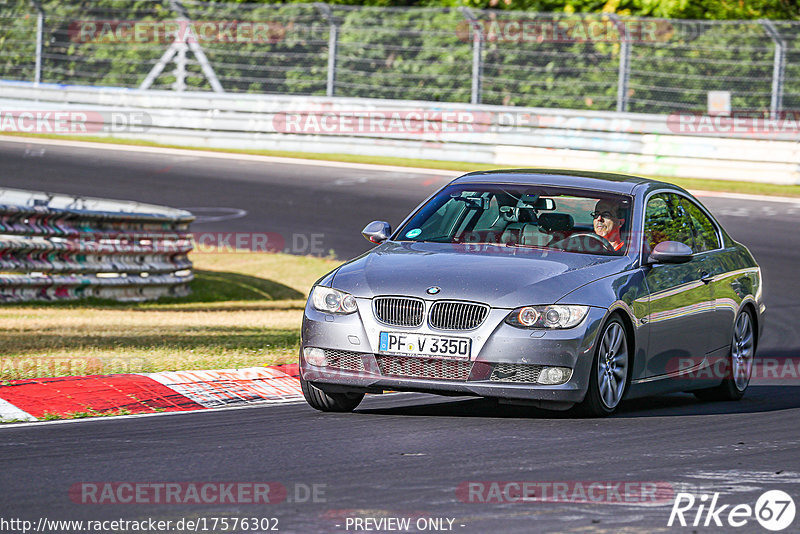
557	225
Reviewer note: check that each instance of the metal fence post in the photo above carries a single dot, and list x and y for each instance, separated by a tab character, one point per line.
180	69
37	77
477	55
333	44
333	41
624	63
778	68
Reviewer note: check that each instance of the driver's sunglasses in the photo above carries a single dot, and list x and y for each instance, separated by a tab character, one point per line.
603	214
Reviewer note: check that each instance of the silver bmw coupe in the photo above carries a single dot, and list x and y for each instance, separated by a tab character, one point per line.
556	289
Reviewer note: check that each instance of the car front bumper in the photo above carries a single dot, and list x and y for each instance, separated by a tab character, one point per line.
354	362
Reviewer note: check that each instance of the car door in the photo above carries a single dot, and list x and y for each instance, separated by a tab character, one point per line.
708	242
681	301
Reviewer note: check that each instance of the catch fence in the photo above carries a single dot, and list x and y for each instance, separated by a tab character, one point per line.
545	60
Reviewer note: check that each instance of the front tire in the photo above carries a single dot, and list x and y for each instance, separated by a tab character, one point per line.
739	365
609	376
329	402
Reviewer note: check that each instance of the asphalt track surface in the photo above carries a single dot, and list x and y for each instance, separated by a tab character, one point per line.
401	455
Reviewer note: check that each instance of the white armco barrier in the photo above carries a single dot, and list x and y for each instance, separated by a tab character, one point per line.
681	145
59	247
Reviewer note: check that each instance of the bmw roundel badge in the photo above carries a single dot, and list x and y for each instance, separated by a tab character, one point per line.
433	290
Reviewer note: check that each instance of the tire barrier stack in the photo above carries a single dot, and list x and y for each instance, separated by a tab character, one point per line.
59	247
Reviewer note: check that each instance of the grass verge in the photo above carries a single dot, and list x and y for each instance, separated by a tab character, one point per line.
81	415
751	188
245	310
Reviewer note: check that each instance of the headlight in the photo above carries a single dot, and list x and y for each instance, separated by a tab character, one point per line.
555	316
328	300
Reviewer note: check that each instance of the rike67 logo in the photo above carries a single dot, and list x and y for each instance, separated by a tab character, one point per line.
774	510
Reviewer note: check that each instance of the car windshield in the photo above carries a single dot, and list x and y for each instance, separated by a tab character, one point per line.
572	220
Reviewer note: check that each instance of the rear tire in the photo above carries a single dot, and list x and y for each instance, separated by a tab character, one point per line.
739	365
329	402
609	377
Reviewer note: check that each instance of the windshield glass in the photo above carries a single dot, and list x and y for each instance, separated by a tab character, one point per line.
586	222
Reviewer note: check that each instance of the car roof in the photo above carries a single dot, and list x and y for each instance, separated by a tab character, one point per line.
597	181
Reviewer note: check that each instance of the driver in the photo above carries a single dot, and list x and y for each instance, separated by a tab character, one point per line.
607	223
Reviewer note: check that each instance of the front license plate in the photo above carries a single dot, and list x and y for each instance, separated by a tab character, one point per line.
425	345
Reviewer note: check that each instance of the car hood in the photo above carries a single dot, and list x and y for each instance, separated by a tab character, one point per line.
503	277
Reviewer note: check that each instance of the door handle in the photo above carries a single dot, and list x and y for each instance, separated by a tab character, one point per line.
706	277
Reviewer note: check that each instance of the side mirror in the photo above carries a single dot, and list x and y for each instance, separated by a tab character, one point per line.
377	231
670	252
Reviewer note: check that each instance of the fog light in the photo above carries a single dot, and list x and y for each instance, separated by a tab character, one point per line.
554	375
315	357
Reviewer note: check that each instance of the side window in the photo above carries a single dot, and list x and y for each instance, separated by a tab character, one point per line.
656	220
705	235
666	220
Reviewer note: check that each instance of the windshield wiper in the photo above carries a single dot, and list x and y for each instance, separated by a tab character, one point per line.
438	239
541	247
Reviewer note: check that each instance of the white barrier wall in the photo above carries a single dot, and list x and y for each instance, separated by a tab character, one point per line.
667	145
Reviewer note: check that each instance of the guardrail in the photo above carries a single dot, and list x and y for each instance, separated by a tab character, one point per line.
650	144
59	247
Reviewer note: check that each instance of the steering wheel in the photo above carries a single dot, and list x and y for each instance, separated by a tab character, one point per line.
602	241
